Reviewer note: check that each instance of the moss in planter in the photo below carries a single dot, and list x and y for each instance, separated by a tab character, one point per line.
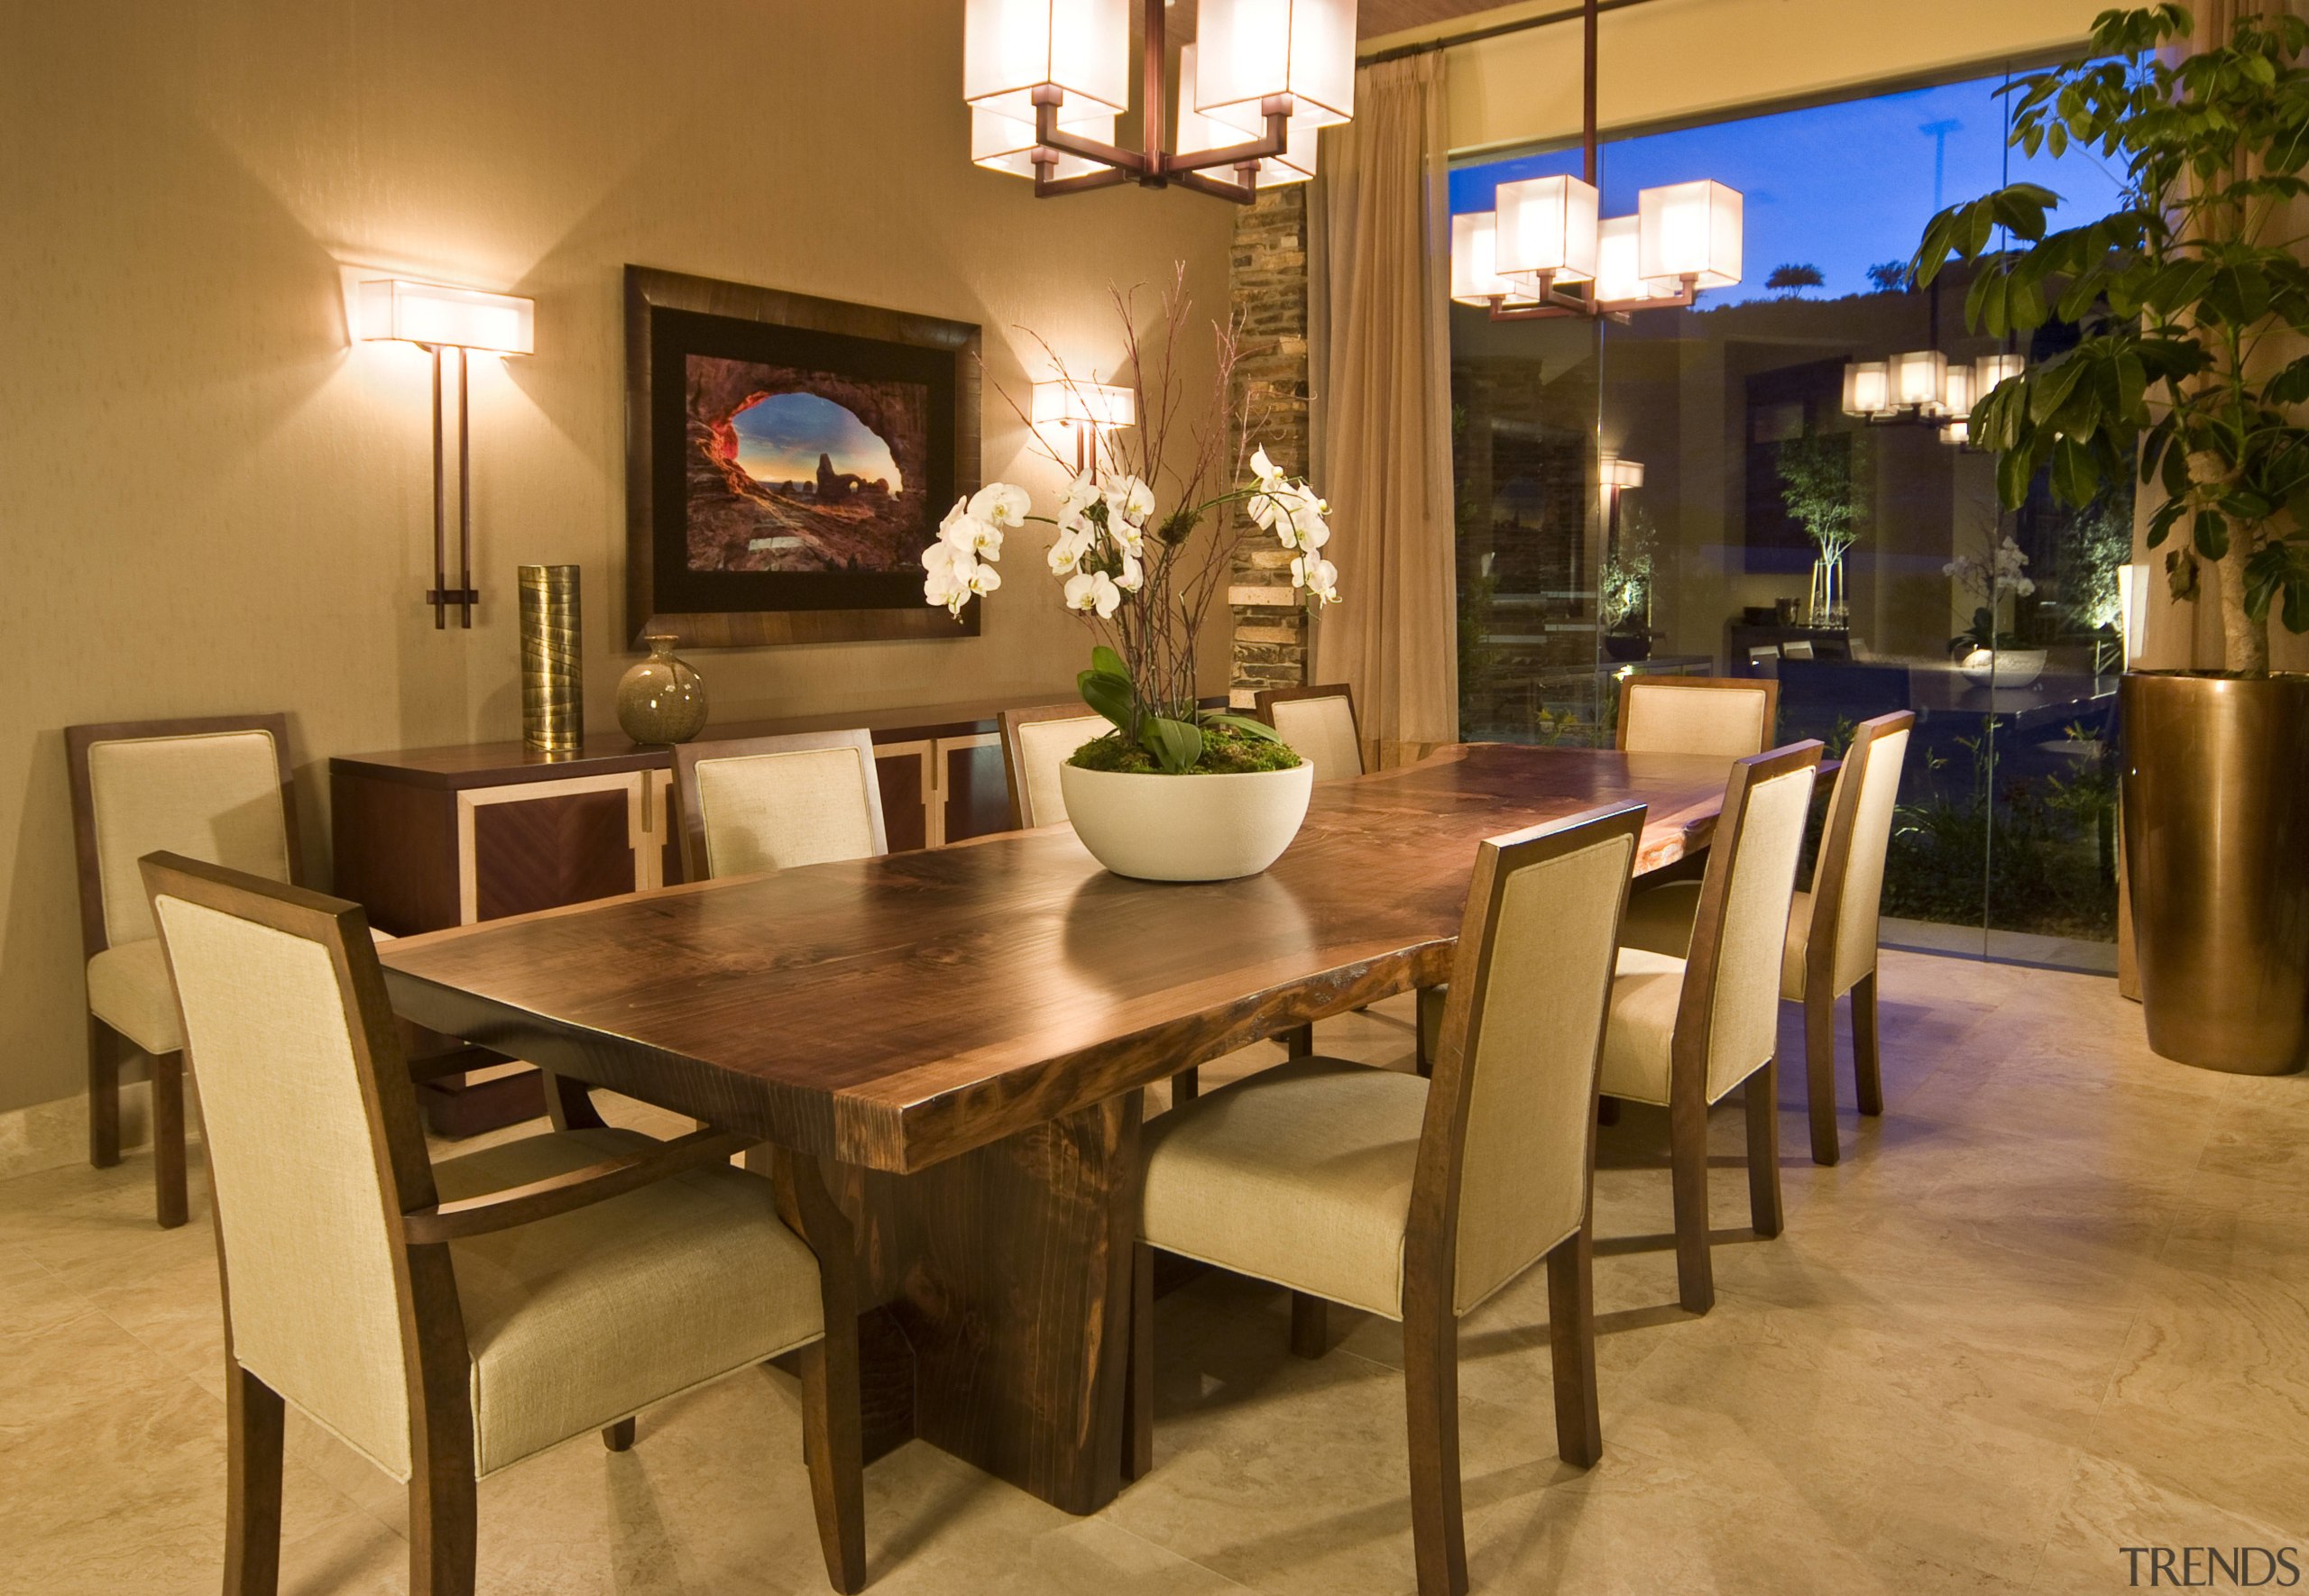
1225	752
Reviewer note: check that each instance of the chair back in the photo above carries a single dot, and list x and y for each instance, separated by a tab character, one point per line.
210	789
1731	717
1034	744
756	804
1729	1019
1319	723
314	1147
1848	885
1508	1142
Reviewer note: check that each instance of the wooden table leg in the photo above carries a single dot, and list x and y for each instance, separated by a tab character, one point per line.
1009	1271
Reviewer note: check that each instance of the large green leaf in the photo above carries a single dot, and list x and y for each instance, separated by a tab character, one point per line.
1109	695
1105	662
1176	745
1245	724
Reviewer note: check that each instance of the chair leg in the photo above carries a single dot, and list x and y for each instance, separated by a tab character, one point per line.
1571	1344
1428	1021
1138	1388
253	1450
1607	1111
104	1095
1865	1074
442	1521
1687	1158
1431	1403
1760	1094
1186	1086
168	1138
619	1436
1310	1328
1820	1069
833	1450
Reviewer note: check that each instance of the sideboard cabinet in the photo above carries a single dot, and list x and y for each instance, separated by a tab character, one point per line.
425	839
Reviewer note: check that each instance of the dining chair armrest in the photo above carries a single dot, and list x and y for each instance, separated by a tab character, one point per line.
565	1192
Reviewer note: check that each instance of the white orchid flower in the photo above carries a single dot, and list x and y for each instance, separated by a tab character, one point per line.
1132	539
1067	553
1133	574
980	579
1079	495
1264	470
1001	505
1093	590
1318	576
1130	500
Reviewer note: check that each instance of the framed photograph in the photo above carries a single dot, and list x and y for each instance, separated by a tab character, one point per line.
787	460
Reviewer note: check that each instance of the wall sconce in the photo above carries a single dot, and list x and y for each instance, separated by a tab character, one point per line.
1081	409
437	319
1615	473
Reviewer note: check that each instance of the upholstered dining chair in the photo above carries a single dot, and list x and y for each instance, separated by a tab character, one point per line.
1319	723
216	789
449	1321
1418	1199
1730	716
756	803
1688	1028
1831	947
1035	743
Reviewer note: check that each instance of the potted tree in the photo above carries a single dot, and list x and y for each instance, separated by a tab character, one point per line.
1623	591
1175	792
2185	296
1816	484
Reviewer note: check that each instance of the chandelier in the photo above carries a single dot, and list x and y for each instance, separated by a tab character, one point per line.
1044	80
1548	238
1921	384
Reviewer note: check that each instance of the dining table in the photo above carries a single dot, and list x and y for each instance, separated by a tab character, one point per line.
959	1039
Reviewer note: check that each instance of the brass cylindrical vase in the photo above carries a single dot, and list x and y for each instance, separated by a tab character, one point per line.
2216	839
553	669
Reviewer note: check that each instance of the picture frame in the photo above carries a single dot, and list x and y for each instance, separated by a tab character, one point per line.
734	538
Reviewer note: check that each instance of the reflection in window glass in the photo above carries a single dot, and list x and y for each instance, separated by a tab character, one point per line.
1861	559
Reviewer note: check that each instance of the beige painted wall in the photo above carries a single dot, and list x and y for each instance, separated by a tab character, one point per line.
209	502
1669	58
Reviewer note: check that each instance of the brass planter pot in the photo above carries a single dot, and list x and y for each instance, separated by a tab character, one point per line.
2216	772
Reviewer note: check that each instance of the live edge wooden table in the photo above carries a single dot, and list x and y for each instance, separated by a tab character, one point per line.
962	1034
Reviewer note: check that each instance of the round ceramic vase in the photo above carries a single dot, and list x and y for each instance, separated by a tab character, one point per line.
661	699
1186	828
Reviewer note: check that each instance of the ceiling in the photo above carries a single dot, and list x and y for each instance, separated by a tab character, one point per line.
1393	16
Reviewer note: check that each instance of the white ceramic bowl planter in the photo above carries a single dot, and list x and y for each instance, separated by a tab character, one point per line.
1204	827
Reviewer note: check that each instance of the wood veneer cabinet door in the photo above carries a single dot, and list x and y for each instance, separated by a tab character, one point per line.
540	845
975	795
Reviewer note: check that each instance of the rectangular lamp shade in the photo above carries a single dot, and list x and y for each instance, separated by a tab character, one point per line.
1618	280
1992	368
1548	227
1918	378
1239	124
1956	392
1011	48
1475	261
1868	388
1624	472
456	319
1006	144
1062	402
1253	49
1689	230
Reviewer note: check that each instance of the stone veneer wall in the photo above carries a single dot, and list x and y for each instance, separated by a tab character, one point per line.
1269	297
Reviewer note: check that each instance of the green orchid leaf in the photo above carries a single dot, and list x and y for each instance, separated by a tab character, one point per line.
1109	695
1105	662
1245	724
1176	745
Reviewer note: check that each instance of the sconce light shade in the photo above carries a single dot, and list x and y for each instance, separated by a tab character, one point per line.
1992	368
1956	392
1689	230
1548	228
1868	388
1011	48
1255	48
448	318
1006	144
1619	276
1238	124
1061	402
1624	472
1475	261
1918	378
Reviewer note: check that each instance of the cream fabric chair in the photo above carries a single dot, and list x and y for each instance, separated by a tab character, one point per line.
1035	743
749	804
1731	717
1419	1201
446	1323
1319	723
1831	947
1688	1028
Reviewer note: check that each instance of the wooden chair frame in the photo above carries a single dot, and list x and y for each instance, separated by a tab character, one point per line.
1688	1100
105	1045
691	815
1266	698
1767	685
1430	1318
419	1226
1014	754
1821	950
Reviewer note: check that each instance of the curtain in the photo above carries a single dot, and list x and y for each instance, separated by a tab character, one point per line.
1381	371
